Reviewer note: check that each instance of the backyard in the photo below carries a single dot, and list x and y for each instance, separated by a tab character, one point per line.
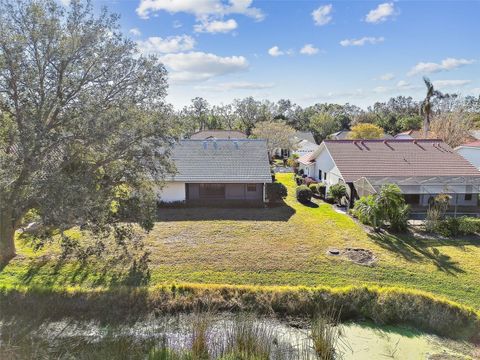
283	245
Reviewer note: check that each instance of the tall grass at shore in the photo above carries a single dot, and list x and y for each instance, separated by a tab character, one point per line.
381	305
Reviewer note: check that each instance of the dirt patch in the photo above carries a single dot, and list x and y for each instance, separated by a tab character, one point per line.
357	255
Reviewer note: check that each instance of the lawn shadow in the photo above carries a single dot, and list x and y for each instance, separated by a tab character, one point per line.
416	250
276	212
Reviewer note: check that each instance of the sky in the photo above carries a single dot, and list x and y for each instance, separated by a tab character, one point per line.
358	52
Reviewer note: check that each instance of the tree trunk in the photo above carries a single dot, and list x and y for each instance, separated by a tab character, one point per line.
426	125
7	235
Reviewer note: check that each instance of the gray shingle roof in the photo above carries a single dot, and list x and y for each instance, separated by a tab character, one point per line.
221	161
304	135
365	158
218	134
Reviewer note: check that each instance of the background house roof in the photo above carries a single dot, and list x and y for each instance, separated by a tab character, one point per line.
426	157
475	144
218	134
221	161
303	135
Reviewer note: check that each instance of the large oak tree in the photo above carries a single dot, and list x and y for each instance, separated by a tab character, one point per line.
82	116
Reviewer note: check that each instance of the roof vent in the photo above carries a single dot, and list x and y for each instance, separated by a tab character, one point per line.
205	145
215	145
235	143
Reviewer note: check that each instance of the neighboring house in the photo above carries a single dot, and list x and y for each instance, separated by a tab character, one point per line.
303	142
345	135
475	134
410	134
218	134
471	152
217	171
304	147
421	168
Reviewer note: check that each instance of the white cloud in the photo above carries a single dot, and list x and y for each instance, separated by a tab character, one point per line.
177	24
443	84
387	77
475	91
64	2
135	31
200	8
171	44
381	13
403	84
198	66
309	49
275	51
322	15
362	41
238	85
216	26
444	65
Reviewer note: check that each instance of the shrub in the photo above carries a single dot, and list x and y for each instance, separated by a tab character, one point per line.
451	226
337	192
321	190
299	179
276	192
438	206
469	225
388	206
304	194
313	188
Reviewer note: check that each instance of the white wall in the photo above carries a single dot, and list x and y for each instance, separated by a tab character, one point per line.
325	163
172	192
305	148
471	154
403	137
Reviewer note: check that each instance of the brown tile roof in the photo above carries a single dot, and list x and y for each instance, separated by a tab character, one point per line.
472	144
218	134
425	157
307	158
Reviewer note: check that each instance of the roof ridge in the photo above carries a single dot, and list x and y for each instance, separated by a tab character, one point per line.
383	140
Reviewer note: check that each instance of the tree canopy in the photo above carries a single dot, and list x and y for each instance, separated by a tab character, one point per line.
366	131
82	116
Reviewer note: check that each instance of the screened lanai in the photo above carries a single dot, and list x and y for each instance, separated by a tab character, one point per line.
420	191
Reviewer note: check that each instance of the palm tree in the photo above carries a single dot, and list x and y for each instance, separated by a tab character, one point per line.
426	107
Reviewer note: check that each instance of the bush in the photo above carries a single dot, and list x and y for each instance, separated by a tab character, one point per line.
313	188
337	192
469	225
276	192
304	194
321	187
451	226
299	179
387	207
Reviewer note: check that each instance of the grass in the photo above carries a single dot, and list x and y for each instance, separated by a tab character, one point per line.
284	245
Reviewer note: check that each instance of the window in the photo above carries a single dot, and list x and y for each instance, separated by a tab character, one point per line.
212	190
252	187
325	176
413	199
468	197
319	174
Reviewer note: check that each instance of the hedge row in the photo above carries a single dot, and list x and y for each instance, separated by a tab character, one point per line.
382	305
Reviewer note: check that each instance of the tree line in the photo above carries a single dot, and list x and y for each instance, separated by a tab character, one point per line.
400	113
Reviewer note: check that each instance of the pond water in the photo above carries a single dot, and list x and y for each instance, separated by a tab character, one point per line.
357	341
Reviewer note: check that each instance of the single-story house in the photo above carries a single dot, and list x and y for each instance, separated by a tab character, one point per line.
218	134
471	152
302	141
345	135
421	168
213	171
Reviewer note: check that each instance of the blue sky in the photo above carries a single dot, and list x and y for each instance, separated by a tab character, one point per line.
308	51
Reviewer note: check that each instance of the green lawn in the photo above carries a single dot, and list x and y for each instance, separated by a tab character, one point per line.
285	245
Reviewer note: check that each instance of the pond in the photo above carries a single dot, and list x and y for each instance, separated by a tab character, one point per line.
218	337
